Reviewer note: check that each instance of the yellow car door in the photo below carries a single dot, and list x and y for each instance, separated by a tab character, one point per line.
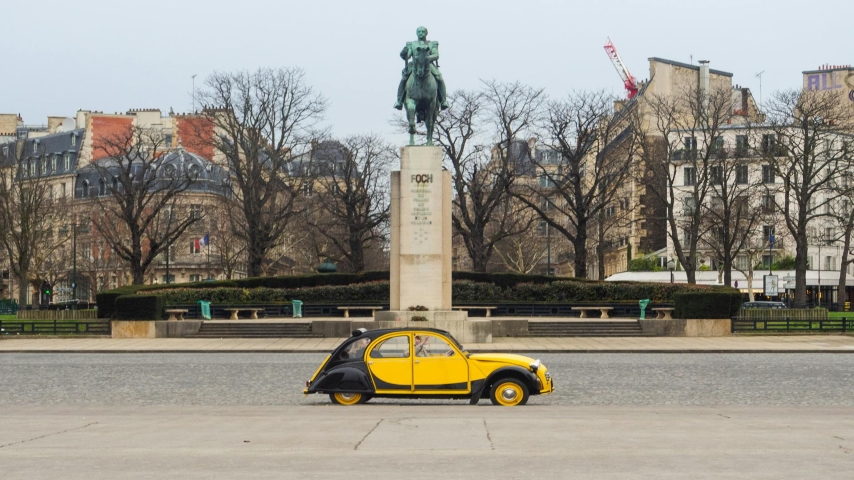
390	364
438	367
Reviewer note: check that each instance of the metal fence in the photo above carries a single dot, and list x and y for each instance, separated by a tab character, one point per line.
792	325
23	327
57	314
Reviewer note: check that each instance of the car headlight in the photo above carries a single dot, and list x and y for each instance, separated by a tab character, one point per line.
548	376
536	365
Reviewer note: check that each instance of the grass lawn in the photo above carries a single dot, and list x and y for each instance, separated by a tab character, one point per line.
836	315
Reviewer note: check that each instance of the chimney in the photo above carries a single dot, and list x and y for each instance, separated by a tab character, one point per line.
705	84
619	105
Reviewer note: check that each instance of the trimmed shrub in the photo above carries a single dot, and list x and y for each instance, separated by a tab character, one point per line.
139	307
106	300
723	303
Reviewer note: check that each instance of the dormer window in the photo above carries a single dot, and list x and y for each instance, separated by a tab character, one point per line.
53	164
85	188
102	187
35	147
67	162
73	139
44	166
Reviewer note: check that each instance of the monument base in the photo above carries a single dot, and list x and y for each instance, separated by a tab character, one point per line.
455	322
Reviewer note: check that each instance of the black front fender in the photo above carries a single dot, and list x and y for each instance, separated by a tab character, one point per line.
519	373
343	378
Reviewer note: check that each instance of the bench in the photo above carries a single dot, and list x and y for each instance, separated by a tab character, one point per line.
373	309
176	311
584	311
663	313
476	307
235	310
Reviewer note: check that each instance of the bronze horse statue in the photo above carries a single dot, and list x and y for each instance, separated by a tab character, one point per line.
421	99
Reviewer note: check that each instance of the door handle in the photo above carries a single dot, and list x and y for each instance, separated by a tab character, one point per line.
417	361
370	363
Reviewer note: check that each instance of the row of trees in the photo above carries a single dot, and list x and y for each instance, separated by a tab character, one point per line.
578	179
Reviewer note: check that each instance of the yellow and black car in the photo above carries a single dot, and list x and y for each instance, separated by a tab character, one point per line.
424	363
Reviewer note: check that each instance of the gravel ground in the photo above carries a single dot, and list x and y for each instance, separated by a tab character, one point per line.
278	379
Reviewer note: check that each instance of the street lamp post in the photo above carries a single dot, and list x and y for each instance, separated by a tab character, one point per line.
671	265
74	264
548	249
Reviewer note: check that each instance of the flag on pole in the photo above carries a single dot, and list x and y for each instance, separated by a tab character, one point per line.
205	241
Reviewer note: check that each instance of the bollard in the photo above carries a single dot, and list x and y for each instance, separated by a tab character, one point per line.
643	304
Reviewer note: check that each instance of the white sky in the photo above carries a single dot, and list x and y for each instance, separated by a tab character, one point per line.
113	55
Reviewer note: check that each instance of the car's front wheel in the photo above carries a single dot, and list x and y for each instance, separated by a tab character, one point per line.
348	398
509	392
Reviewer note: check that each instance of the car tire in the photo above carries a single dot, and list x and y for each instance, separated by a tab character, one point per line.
348	398
509	392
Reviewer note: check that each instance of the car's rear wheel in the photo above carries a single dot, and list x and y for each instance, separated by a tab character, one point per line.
348	398
509	392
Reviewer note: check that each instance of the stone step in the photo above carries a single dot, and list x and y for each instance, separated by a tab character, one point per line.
586	329
254	330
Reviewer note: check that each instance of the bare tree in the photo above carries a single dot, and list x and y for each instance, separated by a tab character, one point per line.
262	122
227	250
584	167
350	204
808	145
484	213
729	219
30	214
138	208
677	136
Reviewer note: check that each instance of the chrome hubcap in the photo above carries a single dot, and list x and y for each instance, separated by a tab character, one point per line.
508	394
348	396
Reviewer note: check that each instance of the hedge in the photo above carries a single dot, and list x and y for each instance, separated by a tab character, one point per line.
139	307
373	287
723	303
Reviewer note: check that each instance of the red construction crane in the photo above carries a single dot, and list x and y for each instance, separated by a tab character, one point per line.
628	79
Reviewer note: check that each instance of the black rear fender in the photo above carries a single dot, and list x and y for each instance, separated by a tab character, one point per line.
344	378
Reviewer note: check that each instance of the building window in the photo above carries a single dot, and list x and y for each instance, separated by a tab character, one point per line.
717	174
85	188
741	174
64	193
542	228
717	203
767	233
44	166
689	176
67	159
102	187
195	278
115	184
195	212
741	145
830	263
73	139
768	203
33	167
717	145
35	147
768	143
171	279
610	211
689	143
689	205
767	174
53	164
546	181
742	262
767	260
195	246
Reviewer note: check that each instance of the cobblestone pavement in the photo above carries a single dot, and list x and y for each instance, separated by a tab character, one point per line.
278	379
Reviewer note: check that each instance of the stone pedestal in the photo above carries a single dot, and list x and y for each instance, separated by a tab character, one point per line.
421	238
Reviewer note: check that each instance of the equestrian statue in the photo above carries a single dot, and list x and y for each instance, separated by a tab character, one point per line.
421	89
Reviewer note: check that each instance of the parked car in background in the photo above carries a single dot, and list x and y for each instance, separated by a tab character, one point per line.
772	305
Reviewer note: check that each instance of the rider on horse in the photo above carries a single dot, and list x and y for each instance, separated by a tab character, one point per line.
407	53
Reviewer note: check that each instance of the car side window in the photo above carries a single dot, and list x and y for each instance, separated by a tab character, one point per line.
394	347
432	346
355	349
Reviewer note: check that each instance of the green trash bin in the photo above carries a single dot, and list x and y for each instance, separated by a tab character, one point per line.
297	304
643	304
206	309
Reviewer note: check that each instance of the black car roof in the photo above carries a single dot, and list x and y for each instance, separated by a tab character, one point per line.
382	331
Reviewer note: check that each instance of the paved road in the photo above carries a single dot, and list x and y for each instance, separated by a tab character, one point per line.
227	416
278	379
